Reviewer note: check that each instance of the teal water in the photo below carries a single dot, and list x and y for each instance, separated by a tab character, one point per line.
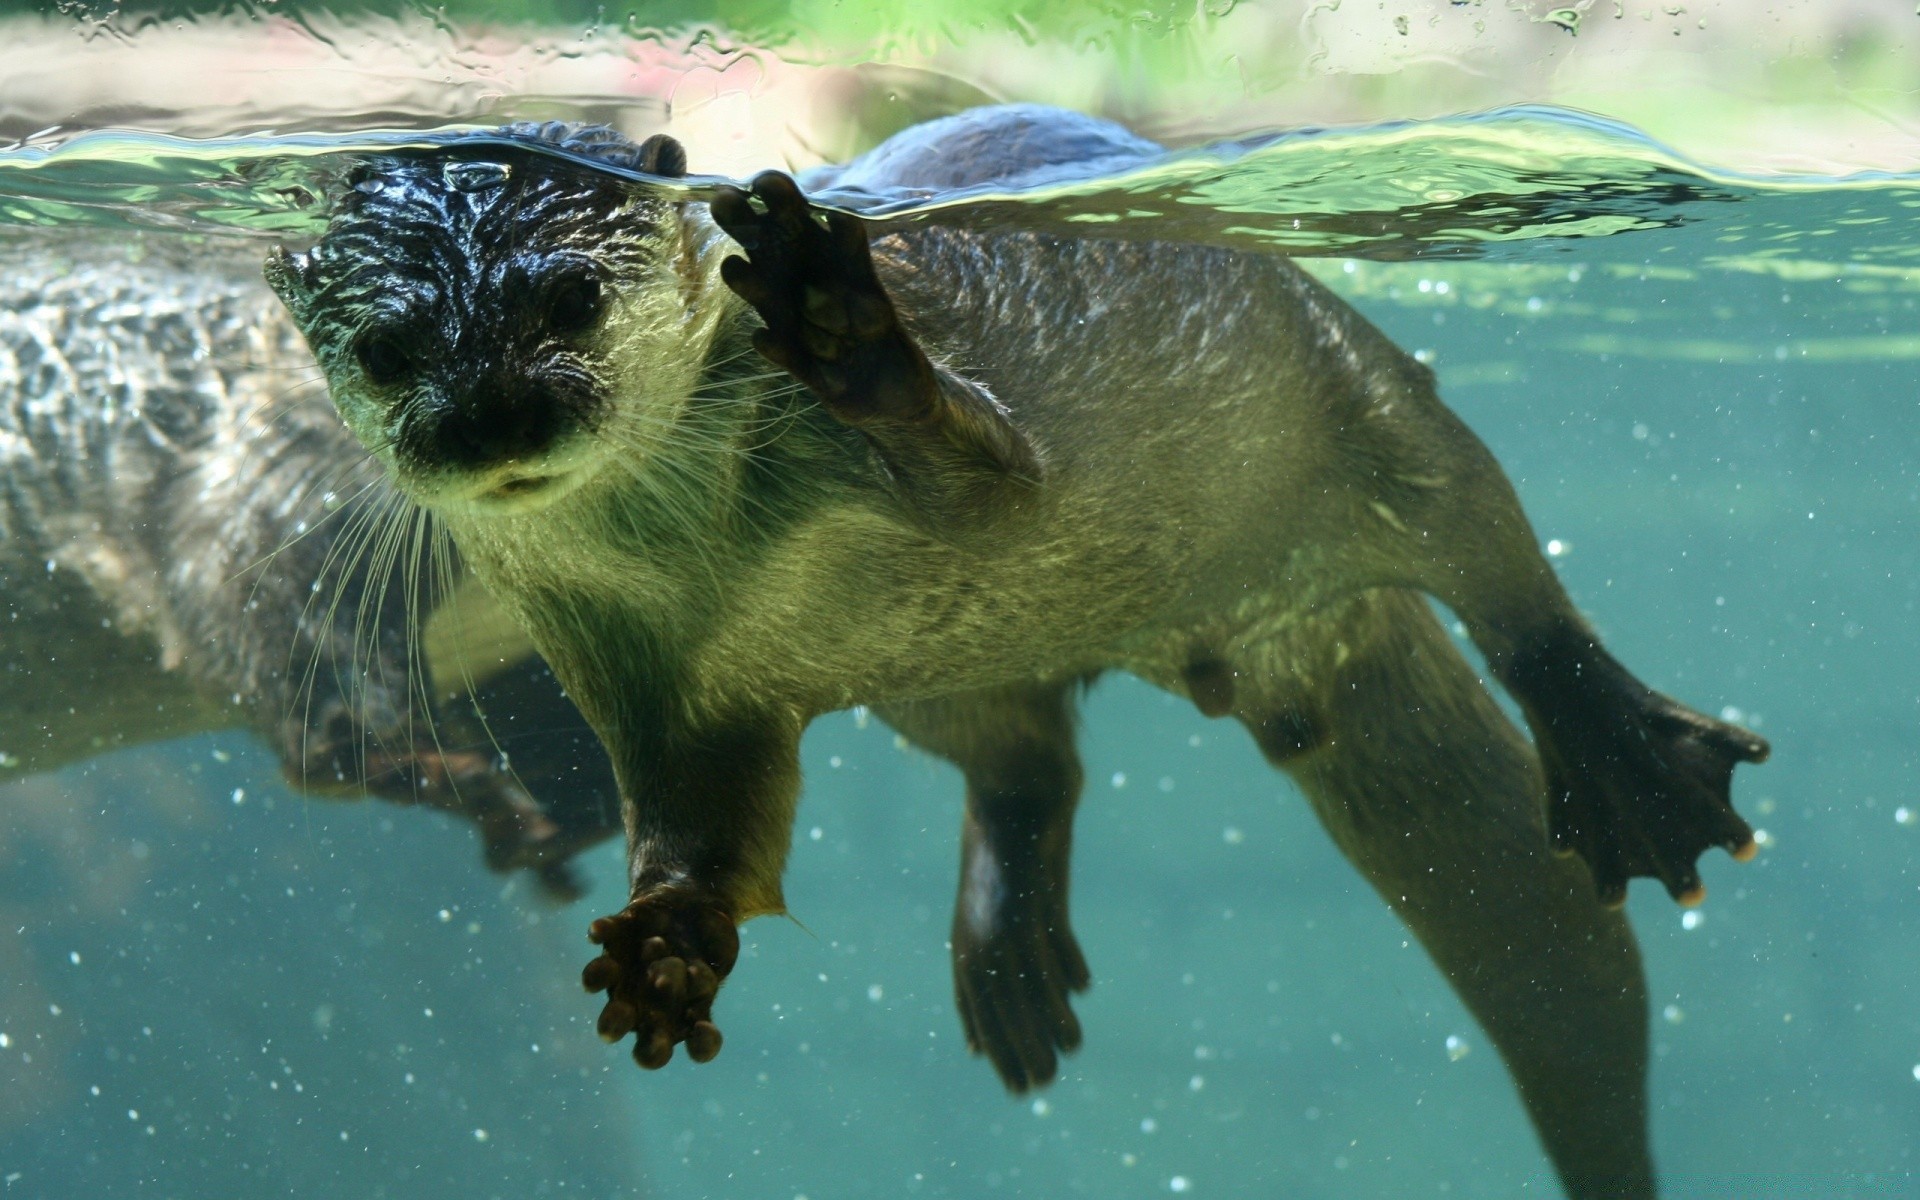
1703	386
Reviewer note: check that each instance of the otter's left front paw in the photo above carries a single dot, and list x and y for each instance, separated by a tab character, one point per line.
662	960
829	320
1637	783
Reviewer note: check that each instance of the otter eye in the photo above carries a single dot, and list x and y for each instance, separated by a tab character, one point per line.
575	305
382	358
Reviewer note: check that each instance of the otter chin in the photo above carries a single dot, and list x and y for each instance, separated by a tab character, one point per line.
956	475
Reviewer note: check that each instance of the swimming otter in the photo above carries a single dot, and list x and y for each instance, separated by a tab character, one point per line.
990	467
186	545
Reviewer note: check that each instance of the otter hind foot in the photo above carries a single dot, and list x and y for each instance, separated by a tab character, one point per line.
1013	971
661	963
1638	784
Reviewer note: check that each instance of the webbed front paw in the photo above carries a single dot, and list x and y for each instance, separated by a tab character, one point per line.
661	963
829	322
1638	784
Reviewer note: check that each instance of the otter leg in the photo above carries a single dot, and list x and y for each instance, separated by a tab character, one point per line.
709	815
947	443
1434	796
1015	959
1637	783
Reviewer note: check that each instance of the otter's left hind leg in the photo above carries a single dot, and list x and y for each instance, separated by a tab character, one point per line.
1434	796
1015	959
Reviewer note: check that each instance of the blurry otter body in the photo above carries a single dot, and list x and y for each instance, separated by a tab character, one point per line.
990	467
186	544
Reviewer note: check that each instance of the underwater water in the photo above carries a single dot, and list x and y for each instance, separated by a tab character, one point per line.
1702	383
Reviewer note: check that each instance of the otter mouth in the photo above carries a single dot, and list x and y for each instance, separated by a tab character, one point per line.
522	488
507	487
505	491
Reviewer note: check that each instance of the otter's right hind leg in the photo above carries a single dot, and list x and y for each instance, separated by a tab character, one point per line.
1434	796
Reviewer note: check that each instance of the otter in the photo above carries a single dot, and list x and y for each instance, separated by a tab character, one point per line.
735	463
188	544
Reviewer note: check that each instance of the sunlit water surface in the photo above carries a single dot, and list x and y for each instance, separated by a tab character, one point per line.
1702	384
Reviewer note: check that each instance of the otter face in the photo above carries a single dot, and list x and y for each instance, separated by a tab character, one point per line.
496	326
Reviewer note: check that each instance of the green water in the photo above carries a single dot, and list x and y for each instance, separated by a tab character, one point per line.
1703	385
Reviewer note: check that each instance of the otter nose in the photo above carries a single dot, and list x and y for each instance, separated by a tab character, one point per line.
492	427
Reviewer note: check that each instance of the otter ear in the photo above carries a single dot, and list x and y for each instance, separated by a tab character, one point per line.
661	155
290	276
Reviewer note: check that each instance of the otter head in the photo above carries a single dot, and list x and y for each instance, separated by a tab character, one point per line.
496	322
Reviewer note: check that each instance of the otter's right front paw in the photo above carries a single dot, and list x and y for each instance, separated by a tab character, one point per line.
662	959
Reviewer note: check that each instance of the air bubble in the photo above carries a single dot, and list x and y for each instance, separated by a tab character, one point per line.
1457	1047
